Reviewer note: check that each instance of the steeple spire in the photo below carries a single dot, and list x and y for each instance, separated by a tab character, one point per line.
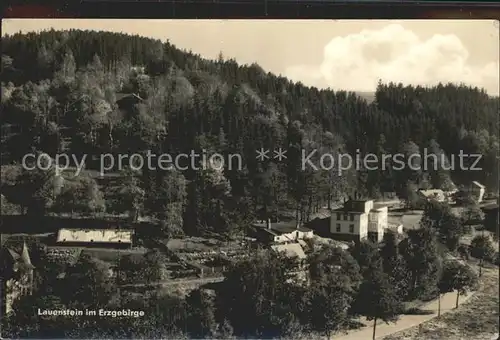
25	256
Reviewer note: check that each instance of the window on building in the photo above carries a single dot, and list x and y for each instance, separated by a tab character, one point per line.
351	228
352	217
345	217
338	227
338	217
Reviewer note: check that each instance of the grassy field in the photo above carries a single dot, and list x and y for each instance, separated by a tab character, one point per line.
411	219
198	244
475	319
112	255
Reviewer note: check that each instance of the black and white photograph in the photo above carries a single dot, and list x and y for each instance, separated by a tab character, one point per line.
249	179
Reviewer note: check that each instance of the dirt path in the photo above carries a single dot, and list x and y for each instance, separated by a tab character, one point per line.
474	320
167	283
405	321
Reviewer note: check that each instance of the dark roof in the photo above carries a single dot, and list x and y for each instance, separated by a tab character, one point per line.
122	96
353	207
346	210
14	255
261	229
282	227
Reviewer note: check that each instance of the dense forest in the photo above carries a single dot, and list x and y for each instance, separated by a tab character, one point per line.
93	93
61	93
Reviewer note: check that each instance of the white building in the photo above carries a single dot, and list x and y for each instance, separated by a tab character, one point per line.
358	220
432	194
438	195
281	232
477	191
95	237
377	222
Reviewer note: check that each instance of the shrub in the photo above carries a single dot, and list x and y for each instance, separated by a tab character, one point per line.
482	248
418	311
463	251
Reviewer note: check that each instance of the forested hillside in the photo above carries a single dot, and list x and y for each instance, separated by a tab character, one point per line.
60	93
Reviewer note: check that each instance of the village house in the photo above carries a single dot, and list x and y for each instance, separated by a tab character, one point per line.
279	232
358	220
126	101
477	191
16	276
437	195
432	194
106	238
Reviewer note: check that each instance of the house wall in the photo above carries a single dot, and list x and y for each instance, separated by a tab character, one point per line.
368	206
359	222
303	234
284	238
378	223
293	236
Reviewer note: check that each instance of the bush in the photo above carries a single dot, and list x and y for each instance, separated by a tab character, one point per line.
417	311
463	251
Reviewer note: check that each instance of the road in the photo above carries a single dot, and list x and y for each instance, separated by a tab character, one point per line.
405	321
166	283
448	303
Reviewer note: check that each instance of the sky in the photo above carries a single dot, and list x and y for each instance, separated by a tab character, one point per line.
340	54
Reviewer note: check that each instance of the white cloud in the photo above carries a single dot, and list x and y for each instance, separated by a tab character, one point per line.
393	53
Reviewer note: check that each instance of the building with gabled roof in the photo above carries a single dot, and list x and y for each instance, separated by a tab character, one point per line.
359	219
280	232
126	101
477	190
